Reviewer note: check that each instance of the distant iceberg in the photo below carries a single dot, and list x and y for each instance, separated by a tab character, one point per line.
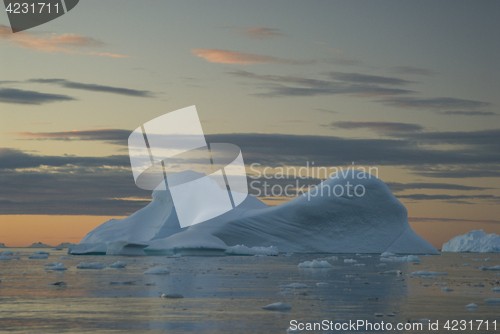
316	222
475	242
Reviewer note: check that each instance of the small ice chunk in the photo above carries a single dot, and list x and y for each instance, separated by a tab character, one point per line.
5	258
56	266
492	300
391	272
122	282
7	253
64	258
92	265
471	306
387	254
409	258
352	261
279	306
118	264
490	268
42	253
286	292
440	283
424	320
322	284
495	289
446	289
38	257
379	314
58	283
381	265
359	265
157	271
487	259
290	330
172	295
427	273
295	286
288	254
175	256
314	264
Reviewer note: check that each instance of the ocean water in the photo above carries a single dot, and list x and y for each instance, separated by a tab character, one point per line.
226	294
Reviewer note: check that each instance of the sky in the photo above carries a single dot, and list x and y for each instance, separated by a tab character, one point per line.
407	87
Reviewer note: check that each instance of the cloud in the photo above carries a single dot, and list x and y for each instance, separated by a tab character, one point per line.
467	113
14	159
377	126
438	103
19	96
412	70
369	79
113	135
327	111
283	86
94	87
261	33
344	61
53	43
458	172
397	187
241	58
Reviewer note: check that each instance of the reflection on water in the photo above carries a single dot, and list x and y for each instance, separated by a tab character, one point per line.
226	294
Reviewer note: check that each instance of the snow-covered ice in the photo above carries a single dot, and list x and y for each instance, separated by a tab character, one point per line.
471	306
490	268
446	289
475	242
350	261
374	223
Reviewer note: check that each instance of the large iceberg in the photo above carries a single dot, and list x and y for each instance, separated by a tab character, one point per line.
316	222
475	242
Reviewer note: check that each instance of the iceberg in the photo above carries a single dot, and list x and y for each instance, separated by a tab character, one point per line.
315	222
475	242
314	264
2	245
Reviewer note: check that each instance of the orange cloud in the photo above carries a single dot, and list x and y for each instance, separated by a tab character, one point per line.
53	43
241	58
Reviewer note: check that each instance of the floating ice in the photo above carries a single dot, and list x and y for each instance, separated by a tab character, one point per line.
409	258
387	254
125	248
64	258
58	283
172	295
474	241
38	257
295	286
118	264
56	266
391	272
359	264
490	268
440	283
5	258
427	273
92	265
322	284
314	264
492	300
352	261
157	271
446	289
243	250
471	306
374	223
122	283
42	253
7	253
495	289
278	307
